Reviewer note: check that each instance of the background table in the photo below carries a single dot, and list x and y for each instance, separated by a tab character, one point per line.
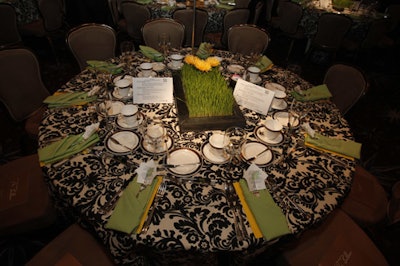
194	217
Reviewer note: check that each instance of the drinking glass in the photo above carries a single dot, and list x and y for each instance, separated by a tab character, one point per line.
164	42
235	137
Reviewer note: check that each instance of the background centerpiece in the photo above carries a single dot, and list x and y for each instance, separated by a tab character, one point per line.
204	99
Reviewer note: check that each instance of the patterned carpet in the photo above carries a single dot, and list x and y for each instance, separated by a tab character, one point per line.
375	121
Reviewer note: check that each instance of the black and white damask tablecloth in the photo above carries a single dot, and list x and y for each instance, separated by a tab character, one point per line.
194	216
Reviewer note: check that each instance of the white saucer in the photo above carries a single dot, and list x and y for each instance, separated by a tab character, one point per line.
158	66
252	149
235	69
212	157
274	86
170	66
281	106
283	118
258	81
121	123
114	109
116	95
120	76
184	156
259	132
152	75
126	138
163	148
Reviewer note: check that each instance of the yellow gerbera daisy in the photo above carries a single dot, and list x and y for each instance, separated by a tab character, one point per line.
190	59
212	61
202	65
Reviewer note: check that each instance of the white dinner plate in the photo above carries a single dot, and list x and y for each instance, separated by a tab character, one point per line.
114	108
274	86
181	156
162	149
283	118
212	156
120	76
158	66
279	105
126	138
236	69
252	149
261	136
152	75
122	125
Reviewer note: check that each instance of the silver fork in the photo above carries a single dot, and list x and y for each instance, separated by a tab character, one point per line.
159	195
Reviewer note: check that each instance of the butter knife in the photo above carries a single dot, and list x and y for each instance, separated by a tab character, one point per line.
114	140
177	165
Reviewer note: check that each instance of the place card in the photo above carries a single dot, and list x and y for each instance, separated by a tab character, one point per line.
253	97
152	90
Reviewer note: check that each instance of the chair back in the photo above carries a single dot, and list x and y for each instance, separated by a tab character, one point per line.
257	11
231	18
185	16
92	41
172	28
290	14
52	12
242	3
269	5
9	34
347	84
136	15
377	35
247	39
113	7
331	29
21	88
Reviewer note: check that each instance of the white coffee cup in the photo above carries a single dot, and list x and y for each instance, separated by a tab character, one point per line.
123	86
130	114
176	60
273	128
279	98
217	143
146	69
253	73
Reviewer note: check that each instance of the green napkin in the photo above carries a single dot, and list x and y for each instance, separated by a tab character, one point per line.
204	50
313	94
224	6
264	63
129	210
151	53
348	148
103	66
66	147
68	99
144	2
270	218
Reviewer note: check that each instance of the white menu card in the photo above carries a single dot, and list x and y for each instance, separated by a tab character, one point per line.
152	90
253	97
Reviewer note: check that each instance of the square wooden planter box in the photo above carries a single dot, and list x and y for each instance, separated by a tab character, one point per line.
203	123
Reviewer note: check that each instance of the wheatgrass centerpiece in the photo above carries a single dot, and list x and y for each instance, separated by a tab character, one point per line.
206	91
204	98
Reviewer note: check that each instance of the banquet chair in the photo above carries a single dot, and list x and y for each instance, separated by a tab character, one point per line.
91	41
257	12
135	15
186	17
9	34
331	30
287	23
25	204
74	246
269	6
367	201
116	14
231	18
50	24
338	240
247	39
347	85
173	28
22	97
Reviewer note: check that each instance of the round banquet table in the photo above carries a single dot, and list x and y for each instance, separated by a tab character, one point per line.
193	215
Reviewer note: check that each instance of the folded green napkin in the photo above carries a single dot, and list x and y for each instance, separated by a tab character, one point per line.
66	147
129	211
347	148
151	53
204	50
144	2
313	94
104	66
68	99
269	217
264	63
224	6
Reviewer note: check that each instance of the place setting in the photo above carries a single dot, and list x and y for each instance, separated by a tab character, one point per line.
145	70
156	140
175	62
122	88
269	132
129	117
122	142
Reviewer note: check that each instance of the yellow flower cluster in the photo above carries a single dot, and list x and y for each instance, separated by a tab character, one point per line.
202	65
